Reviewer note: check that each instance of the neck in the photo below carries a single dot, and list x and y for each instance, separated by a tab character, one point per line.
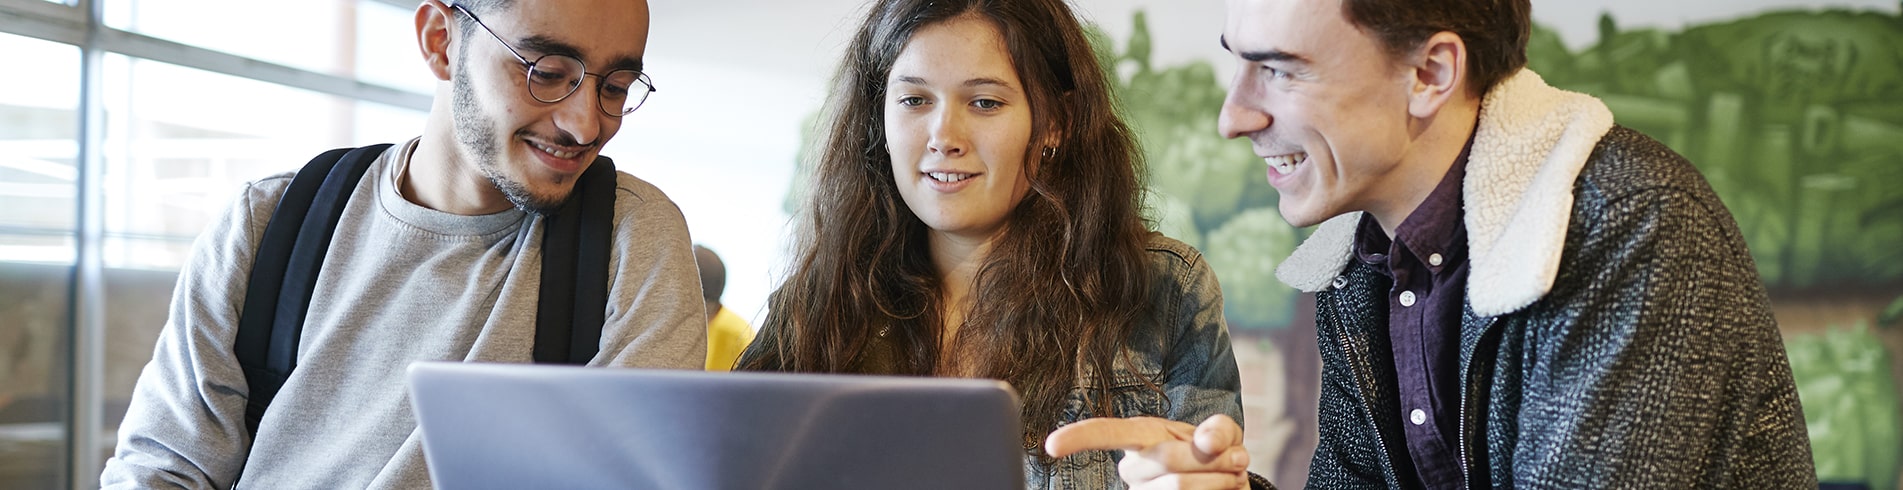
440	176
1425	162
957	259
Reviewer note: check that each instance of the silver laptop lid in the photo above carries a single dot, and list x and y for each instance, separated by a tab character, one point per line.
527	426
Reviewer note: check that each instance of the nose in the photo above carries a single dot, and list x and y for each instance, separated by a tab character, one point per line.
947	134
1241	115
579	115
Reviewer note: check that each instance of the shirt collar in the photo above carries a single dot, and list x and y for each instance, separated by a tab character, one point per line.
1435	227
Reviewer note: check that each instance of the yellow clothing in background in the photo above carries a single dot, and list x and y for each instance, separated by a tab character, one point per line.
727	335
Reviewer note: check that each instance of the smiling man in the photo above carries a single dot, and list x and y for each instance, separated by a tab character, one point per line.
437	255
1511	290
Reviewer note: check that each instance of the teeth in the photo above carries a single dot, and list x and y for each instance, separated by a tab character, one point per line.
557	153
1285	164
948	176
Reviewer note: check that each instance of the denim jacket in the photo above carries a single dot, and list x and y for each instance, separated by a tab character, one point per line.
1181	345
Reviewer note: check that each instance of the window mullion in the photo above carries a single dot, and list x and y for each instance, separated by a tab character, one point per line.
88	335
151	48
43	20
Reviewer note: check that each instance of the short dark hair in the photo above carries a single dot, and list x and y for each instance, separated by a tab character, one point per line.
478	7
1495	31
713	274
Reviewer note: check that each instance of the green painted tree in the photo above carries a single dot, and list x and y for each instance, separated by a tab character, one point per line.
1850	399
1204	190
1796	118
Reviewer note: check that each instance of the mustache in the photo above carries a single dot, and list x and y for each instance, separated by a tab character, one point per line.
560	137
1266	143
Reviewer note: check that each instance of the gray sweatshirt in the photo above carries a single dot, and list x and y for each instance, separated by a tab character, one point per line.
401	283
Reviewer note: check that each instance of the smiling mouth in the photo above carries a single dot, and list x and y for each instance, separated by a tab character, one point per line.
562	154
1285	164
949	177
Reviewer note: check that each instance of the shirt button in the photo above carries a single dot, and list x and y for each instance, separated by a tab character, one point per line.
1433	260
1418	417
1407	298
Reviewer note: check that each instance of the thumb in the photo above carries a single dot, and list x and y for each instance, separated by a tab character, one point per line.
1217	434
1114	433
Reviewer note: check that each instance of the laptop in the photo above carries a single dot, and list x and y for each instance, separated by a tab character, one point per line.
537	426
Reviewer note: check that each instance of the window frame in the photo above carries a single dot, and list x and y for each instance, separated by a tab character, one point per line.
81	25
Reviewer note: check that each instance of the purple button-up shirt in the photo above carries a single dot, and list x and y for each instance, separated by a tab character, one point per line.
1427	262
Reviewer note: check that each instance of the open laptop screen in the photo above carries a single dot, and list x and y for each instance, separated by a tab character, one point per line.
528	426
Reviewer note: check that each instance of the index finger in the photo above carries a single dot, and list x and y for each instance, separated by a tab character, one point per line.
1114	433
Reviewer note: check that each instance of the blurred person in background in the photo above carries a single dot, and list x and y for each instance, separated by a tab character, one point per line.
727	333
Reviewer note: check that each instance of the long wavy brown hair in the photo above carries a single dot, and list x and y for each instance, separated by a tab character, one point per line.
1061	288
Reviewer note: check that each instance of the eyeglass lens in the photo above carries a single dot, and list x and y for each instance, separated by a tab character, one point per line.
554	77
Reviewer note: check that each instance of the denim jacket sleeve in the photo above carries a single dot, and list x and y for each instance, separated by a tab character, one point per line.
1181	346
1199	371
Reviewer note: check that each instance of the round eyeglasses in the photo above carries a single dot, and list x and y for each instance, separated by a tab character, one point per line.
554	77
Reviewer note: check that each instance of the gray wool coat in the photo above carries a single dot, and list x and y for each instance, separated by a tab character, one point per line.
1616	334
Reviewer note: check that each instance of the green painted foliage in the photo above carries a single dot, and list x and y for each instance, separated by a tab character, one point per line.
1795	117
1172	217
1244	253
1196	175
1892	314
1850	405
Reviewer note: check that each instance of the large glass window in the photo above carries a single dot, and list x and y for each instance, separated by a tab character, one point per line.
180	144
177	144
316	41
39	129
386	48
361	39
188	139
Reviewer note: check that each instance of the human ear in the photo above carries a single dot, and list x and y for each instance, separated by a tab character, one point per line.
1437	74
1044	149
1050	141
432	36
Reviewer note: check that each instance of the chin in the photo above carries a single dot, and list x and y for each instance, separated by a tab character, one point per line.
543	201
1300	215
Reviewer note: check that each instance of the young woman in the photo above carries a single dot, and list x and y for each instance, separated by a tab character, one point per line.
975	213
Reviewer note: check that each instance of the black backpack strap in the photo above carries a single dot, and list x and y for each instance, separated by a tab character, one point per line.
283	273
574	293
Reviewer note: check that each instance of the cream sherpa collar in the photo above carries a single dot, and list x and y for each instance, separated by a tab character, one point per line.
1529	147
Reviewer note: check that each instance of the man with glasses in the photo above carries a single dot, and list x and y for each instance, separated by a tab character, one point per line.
437	255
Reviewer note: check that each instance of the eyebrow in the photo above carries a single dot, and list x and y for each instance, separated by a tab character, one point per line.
1261	56
547	45
975	82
